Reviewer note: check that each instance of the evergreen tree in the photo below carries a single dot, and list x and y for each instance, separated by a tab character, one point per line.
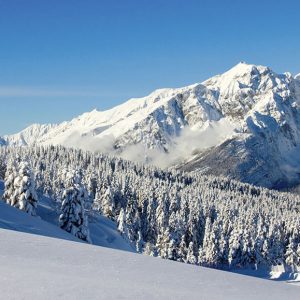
235	249
73	218
27	196
292	257
9	195
182	251
149	249
139	243
20	189
123	227
201	256
2	169
191	258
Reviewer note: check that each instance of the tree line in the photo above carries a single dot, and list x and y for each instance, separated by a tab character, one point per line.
188	217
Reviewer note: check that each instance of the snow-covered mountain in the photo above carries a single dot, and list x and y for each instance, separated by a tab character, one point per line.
29	136
244	123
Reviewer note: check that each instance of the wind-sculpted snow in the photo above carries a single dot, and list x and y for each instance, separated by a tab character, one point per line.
250	114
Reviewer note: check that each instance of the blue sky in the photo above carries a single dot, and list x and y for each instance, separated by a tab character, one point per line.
60	58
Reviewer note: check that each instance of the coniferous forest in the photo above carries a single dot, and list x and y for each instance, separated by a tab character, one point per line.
190	218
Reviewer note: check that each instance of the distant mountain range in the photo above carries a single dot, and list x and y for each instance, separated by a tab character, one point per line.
244	124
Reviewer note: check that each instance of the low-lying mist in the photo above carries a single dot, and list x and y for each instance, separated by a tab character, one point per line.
188	143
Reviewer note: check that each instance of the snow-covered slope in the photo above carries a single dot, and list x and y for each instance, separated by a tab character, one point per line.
244	123
35	267
39	260
14	219
29	136
103	231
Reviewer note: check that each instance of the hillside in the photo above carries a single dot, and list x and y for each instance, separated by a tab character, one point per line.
51	268
102	230
71	269
203	220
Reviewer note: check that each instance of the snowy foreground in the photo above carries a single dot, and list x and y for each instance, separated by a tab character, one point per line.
39	260
35	267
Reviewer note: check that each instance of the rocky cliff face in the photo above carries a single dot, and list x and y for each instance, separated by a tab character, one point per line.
265	147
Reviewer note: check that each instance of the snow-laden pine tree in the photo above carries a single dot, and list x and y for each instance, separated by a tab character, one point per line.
73	218
140	243
163	244
149	249
107	203
298	255
59	187
2	168
25	185
292	258
20	189
104	201
122	226
172	250
97	201
182	250
201	256
10	176
213	255
191	258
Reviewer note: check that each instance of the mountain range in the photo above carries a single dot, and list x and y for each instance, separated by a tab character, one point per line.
244	124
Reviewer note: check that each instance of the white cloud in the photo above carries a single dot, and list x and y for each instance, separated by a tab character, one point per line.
185	146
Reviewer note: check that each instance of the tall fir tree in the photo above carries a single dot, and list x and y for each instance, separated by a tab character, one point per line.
73	218
20	189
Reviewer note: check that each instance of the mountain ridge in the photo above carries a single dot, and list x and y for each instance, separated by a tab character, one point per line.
250	114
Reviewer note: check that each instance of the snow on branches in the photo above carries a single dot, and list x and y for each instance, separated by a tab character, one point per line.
73	218
20	189
192	218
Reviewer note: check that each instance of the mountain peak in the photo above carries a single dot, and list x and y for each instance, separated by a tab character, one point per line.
247	101
241	75
243	68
